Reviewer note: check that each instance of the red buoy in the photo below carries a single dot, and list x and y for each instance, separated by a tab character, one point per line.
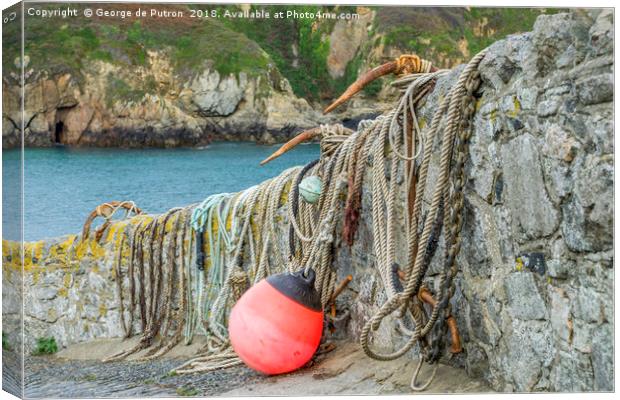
276	326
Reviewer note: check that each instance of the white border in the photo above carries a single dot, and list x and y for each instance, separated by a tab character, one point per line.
483	3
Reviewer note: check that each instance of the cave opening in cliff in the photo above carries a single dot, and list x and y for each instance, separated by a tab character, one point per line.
58	132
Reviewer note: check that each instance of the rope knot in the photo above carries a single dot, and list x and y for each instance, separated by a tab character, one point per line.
407	64
239	283
99	209
332	136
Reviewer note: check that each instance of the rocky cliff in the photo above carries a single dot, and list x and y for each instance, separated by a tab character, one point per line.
104	105
185	81
534	292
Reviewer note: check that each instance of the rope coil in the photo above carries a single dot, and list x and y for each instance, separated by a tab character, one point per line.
453	112
243	243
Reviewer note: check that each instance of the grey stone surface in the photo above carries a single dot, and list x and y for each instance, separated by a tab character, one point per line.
602	357
588	305
573	373
596	89
560	314
548	107
524	300
526	195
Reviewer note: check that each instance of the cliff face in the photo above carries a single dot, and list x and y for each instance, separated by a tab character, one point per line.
105	106
534	292
184	82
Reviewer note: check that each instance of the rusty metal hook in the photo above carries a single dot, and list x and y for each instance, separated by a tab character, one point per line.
425	295
405	64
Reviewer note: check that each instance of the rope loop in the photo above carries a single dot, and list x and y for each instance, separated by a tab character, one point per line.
393	304
107	211
414	378
403	131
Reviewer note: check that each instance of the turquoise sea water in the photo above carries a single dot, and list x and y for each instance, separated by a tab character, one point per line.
63	185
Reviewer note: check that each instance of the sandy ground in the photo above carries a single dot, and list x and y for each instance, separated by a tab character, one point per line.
78	372
99	349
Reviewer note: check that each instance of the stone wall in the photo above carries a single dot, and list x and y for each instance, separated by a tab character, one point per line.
535	286
542	188
70	291
534	296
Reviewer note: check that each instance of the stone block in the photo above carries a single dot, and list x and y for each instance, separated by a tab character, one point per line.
602	358
527	97
588	306
524	299
595	89
44	292
573	226
533	213
560	314
477	363
573	372
582	336
602	32
522	365
548	107
558	268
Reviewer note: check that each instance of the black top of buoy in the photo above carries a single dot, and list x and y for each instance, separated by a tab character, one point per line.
298	288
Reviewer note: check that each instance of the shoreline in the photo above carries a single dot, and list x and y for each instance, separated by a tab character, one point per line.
120	138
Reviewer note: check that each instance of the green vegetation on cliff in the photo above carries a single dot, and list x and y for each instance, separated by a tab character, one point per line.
449	35
295	48
299	47
59	45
